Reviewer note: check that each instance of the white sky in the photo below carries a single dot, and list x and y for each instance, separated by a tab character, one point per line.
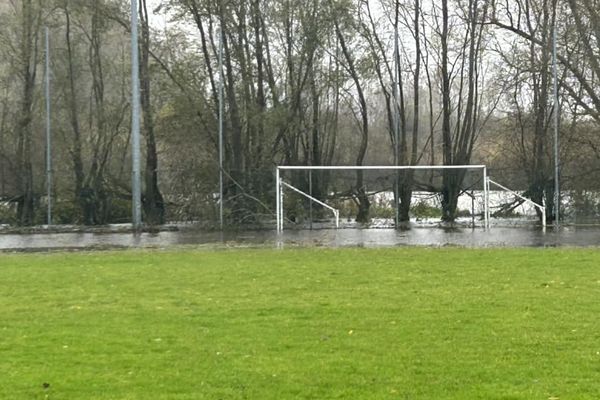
158	21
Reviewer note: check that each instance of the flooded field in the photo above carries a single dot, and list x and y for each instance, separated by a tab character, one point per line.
519	236
521	229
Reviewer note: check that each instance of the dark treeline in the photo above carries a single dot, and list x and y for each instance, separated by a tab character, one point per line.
305	82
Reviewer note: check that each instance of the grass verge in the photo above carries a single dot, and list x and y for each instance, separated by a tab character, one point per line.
301	324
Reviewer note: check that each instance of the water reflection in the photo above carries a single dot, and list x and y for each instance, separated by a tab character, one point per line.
431	236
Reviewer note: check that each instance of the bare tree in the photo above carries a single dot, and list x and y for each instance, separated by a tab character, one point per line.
531	66
27	63
460	87
153	200
360	192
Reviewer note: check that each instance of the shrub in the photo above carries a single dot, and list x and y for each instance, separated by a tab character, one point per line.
424	210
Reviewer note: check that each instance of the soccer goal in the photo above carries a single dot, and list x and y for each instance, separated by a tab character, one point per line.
428	177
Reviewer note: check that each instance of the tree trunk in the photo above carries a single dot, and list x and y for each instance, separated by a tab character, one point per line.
448	190
259	183
406	190
154	207
28	52
360	191
458	146
236	125
76	157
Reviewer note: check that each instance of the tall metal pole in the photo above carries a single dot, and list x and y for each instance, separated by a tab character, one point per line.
48	131
396	116
221	197
136	184
556	111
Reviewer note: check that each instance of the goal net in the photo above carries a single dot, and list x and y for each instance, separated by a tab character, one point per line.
324	195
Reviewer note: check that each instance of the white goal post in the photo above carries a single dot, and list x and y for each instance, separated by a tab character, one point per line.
279	183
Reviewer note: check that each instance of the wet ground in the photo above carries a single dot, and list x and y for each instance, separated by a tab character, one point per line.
382	237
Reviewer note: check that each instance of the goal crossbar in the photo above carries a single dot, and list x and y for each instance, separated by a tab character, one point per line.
279	183
377	167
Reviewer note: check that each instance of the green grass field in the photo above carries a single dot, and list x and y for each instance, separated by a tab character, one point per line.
301	324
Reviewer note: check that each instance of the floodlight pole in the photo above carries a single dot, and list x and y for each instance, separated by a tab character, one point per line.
396	117
48	131
221	126
556	157
136	189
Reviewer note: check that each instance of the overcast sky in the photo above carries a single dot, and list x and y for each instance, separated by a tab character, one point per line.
158	21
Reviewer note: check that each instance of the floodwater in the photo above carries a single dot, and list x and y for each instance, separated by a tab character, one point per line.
522	236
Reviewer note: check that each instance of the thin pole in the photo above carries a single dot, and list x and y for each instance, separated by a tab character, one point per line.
544	219
221	195
136	190
472	209
280	206
556	158
485	198
310	205
488	214
277	198
396	117
48	131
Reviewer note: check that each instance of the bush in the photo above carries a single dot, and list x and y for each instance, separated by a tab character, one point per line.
380	211
424	210
65	213
119	211
7	213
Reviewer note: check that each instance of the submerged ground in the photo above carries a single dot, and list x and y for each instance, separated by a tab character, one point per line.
413	323
523	236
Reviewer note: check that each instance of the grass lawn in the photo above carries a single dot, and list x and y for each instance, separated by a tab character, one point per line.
301	324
